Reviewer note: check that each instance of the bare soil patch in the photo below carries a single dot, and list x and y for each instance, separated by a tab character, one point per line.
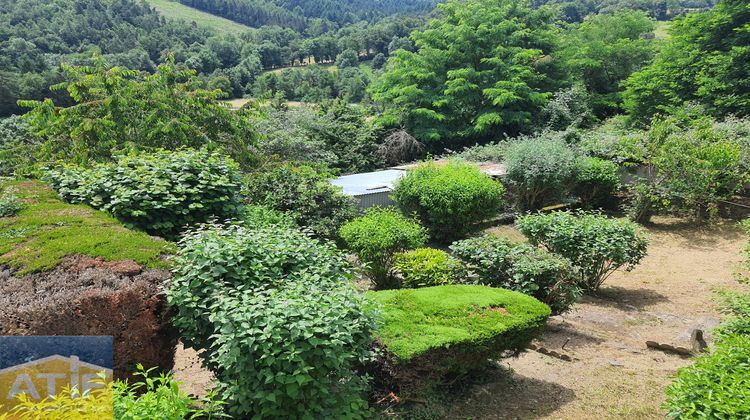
613	374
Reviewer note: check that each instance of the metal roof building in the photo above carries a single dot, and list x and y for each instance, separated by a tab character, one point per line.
370	188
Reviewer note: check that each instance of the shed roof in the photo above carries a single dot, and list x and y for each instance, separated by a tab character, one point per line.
492	169
369	182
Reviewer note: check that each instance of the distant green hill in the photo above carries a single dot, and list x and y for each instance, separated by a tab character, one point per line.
176	10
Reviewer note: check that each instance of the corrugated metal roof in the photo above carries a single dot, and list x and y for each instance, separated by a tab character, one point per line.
369	182
492	169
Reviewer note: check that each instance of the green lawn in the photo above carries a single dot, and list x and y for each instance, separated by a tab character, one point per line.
176	10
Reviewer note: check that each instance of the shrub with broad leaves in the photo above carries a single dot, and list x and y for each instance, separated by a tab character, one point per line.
160	192
596	180
275	318
498	262
597	245
377	236
449	199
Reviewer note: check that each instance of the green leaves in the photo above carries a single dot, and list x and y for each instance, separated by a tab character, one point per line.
498	262
479	70
449	199
595	244
377	236
277	320
424	267
160	192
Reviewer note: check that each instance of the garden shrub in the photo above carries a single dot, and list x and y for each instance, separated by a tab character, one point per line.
424	267
261	216
9	202
449	199
377	236
284	334
498	262
540	170
303	192
595	244
595	181
717	386
160	192
432	332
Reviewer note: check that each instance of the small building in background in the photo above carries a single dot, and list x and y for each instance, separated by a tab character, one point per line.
370	188
375	188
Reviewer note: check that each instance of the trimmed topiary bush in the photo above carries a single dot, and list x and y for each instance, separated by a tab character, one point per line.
303	192
432	332
540	170
424	267
275	318
498	262
379	234
160	192
449	199
595	244
717	386
595	181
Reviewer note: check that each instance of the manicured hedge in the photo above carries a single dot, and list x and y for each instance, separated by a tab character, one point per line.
450	199
431	332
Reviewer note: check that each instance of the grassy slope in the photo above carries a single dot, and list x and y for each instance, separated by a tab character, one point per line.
175	10
418	320
47	230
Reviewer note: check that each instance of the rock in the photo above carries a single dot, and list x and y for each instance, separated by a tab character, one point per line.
616	363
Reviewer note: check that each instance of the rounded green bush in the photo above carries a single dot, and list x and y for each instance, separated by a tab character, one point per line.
379	234
274	316
596	180
498	262
540	170
597	245
449	199
717	386
424	267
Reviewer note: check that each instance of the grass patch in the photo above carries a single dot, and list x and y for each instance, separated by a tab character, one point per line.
416	321
48	230
175	10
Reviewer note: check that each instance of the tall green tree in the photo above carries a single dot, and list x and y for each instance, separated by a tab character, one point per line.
604	50
707	60
483	68
117	110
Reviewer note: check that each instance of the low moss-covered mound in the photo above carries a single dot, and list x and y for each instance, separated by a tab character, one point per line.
71	270
431	332
47	230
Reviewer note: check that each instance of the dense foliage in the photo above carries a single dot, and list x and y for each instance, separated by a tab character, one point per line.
377	236
282	335
161	192
596	180
691	167
705	60
424	267
117	109
540	170
304	193
498	262
595	244
17	147
481	68
604	50
449	199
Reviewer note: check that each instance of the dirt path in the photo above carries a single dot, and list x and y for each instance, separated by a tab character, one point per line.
615	375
